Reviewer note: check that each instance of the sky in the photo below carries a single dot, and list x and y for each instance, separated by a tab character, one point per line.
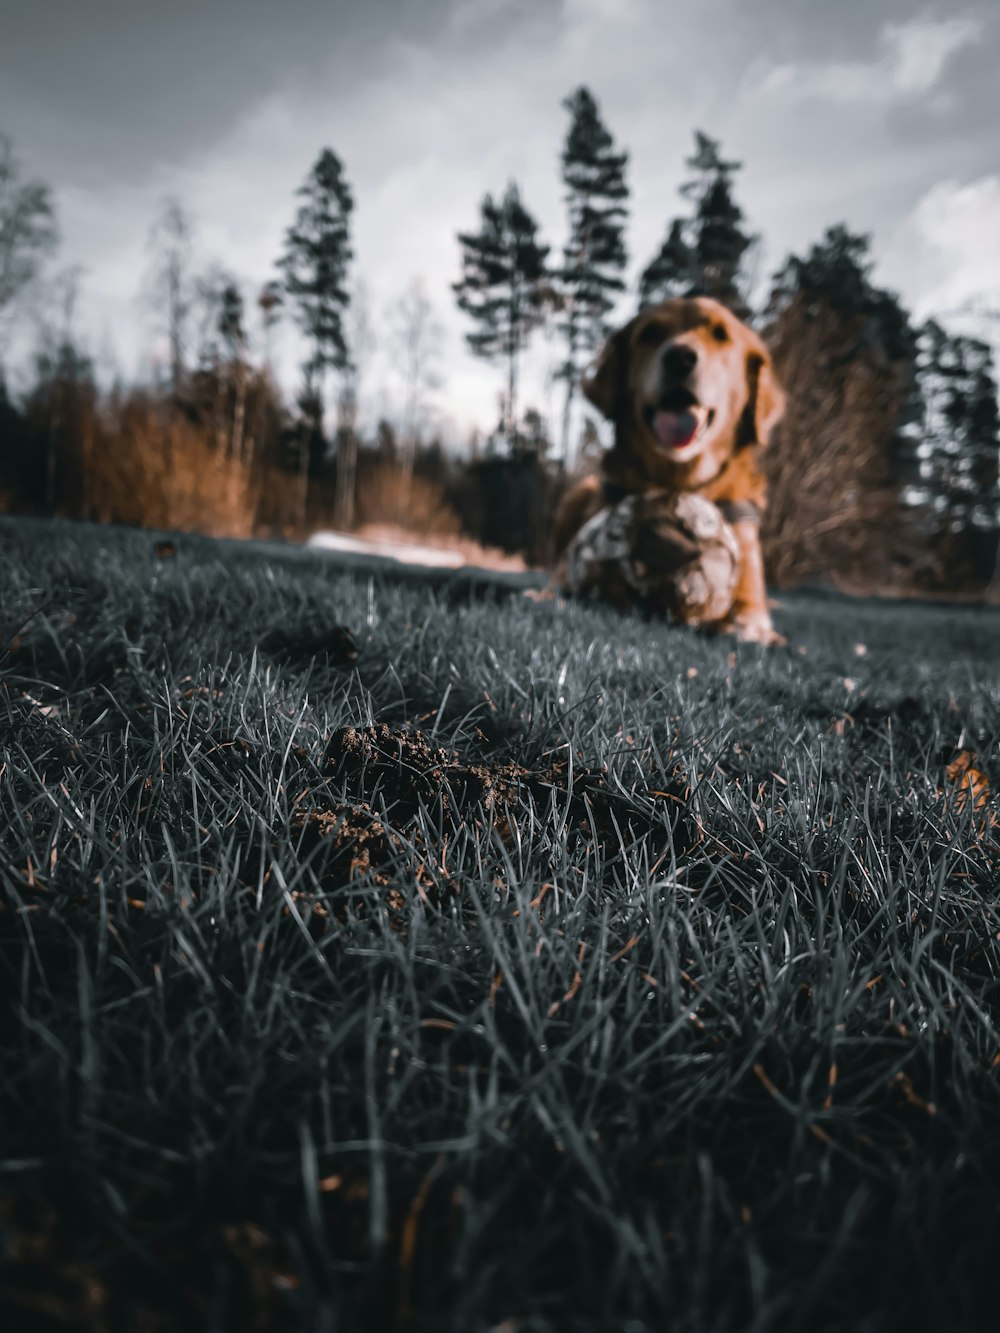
878	113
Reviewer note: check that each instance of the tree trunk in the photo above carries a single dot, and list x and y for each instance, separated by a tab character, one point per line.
347	463
175	332
407	456
408	450
223	436
303	477
512	367
305	441
570	369
239	412
55	425
567	410
87	459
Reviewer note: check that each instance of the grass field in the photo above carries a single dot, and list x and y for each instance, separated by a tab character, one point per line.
379	957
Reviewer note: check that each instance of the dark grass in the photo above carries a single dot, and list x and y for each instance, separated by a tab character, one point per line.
384	956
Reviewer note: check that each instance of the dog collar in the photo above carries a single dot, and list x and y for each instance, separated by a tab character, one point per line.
733	511
739	511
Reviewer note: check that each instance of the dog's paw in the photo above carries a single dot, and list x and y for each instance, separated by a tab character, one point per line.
754	629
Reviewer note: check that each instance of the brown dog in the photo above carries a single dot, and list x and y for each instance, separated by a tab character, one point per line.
692	395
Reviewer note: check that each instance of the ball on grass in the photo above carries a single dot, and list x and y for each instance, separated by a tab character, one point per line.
663	553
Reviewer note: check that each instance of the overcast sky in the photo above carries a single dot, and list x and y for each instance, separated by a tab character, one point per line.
879	113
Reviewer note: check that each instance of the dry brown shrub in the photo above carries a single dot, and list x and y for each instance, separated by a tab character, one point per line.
415	504
278	496
832	498
155	469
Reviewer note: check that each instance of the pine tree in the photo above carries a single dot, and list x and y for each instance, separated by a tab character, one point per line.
28	231
269	304
174	291
216	391
720	246
958	442
62	405
704	254
314	265
670	273
231	317
844	350
234	341
504	285
836	275
594	257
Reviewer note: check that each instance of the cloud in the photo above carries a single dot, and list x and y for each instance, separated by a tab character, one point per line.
918	52
909	64
946	254
428	119
423	138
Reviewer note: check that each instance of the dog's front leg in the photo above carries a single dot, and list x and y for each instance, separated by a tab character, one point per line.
748	618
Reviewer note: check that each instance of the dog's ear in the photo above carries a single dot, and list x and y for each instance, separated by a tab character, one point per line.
603	381
766	402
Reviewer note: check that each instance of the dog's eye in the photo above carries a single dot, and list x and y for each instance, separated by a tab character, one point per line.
720	333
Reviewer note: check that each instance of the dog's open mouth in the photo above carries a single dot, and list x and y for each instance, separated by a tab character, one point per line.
679	420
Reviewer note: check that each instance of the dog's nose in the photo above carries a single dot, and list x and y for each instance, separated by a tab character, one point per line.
679	360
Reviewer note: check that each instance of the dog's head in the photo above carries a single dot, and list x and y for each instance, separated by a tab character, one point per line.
686	384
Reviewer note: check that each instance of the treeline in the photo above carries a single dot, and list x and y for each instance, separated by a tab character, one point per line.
885	472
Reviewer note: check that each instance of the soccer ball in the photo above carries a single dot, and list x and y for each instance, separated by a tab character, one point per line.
663	553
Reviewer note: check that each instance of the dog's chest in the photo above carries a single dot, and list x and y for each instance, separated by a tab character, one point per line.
739	481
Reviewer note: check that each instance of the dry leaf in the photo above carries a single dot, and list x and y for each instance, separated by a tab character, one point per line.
970	786
972	782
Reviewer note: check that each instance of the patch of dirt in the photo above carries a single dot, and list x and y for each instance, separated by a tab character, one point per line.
403	769
358	851
399	785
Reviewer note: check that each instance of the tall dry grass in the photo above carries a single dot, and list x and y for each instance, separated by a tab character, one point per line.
154	468
832	495
387	494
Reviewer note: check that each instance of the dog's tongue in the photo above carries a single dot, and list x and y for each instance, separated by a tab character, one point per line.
675	429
